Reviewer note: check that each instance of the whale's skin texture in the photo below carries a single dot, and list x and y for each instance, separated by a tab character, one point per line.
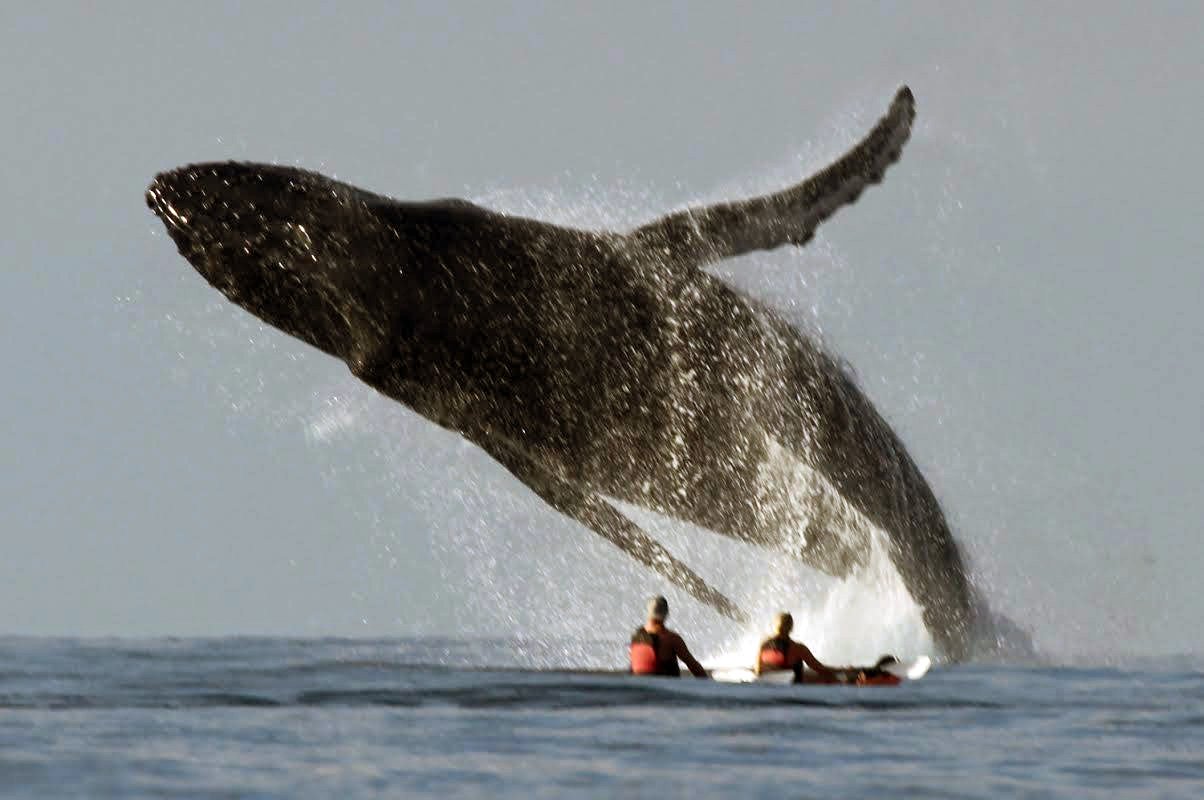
594	364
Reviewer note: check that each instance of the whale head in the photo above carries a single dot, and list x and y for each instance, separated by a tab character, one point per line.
314	257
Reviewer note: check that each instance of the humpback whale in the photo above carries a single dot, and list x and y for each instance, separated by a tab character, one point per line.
596	365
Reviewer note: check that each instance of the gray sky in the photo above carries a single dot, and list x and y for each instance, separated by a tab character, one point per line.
1020	297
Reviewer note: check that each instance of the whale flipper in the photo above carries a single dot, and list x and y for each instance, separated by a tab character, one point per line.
699	236
605	520
595	513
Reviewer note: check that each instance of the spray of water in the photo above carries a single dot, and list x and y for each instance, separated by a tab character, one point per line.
521	570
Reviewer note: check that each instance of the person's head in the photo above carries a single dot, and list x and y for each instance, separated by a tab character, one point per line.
658	609
783	624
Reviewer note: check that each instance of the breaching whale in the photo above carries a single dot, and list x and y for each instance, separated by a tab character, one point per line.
593	364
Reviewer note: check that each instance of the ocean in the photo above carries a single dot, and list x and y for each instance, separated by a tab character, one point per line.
296	718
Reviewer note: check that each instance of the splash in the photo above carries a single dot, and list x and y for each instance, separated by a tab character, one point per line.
519	569
845	620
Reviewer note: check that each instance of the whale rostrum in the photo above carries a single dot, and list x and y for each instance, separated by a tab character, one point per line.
596	365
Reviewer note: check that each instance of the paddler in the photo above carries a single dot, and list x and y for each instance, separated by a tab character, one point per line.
655	649
780	652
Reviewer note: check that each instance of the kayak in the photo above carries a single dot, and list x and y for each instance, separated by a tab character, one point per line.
888	675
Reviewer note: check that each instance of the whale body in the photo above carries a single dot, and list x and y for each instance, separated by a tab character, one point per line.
596	364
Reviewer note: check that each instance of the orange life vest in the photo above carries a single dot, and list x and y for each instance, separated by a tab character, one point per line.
644	653
775	655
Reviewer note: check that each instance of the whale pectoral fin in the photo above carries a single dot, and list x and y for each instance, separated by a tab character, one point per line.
605	520
699	236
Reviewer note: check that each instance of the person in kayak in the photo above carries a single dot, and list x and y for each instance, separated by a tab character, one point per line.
780	652
655	649
878	674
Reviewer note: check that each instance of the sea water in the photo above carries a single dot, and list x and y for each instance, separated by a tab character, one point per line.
275	717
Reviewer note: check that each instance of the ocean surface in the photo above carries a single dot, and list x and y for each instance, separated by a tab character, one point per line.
272	717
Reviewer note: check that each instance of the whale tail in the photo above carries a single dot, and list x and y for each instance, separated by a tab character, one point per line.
698	236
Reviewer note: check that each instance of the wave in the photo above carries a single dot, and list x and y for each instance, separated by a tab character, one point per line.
481	690
374	684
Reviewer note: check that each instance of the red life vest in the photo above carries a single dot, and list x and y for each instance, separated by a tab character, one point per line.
775	655
644	656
